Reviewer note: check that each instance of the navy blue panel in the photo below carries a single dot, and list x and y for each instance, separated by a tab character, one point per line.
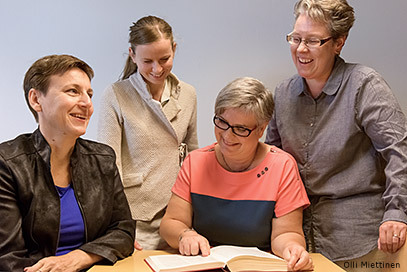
233	222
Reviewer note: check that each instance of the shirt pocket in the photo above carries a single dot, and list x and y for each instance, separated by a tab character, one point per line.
131	180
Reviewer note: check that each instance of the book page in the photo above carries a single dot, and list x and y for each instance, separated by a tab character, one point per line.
176	261
225	253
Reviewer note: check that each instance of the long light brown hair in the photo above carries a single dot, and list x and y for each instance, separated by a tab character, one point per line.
146	30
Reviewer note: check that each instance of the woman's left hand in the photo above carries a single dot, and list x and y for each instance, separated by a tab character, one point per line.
71	262
392	236
137	246
297	258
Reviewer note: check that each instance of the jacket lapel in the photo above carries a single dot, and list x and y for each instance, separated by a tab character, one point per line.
171	109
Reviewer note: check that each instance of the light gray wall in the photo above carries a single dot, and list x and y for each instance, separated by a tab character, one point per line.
218	40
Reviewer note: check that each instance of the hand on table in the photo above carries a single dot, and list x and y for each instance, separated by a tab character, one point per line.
137	246
298	258
392	236
71	262
191	243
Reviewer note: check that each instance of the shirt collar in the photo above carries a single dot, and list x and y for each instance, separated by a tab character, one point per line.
140	85
44	149
334	81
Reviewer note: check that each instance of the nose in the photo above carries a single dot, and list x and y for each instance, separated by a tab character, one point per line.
228	133
85	100
157	68
302	47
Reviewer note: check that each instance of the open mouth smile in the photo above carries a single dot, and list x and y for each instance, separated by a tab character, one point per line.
79	116
305	61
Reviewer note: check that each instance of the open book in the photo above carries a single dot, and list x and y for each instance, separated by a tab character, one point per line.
235	258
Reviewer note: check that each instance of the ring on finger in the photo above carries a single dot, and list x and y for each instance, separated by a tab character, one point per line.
396	235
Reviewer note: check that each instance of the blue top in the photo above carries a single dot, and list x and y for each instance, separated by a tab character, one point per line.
72	227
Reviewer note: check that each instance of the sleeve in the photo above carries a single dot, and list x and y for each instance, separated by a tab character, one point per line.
117	242
13	253
272	135
182	185
380	116
191	138
291	192
110	123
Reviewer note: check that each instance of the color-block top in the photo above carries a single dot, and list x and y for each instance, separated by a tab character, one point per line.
237	208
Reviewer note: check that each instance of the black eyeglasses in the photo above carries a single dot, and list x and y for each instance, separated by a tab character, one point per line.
238	130
310	43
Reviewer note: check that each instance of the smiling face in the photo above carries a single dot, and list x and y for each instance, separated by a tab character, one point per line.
314	63
154	60
65	109
232	145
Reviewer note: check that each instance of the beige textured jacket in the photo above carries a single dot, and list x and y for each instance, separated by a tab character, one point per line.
146	138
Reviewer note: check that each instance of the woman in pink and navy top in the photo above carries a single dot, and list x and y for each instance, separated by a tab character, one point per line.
239	191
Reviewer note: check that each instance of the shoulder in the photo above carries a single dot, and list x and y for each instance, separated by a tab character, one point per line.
118	87
280	156
89	147
201	153
357	68
204	150
360	74
20	145
183	87
186	86
119	94
293	82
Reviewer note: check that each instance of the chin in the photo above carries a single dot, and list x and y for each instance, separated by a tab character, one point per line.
78	132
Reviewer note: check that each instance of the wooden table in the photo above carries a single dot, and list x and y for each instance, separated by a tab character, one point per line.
136	263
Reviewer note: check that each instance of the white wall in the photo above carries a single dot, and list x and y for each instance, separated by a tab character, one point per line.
217	42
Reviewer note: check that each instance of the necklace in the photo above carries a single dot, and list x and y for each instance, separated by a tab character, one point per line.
243	170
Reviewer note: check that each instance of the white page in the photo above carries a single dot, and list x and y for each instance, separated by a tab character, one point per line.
225	253
174	261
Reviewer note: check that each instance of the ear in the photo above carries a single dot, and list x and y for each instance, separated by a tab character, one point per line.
174	46
339	43
34	99
261	129
132	55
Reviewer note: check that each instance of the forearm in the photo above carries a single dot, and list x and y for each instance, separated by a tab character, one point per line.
84	259
285	240
171	230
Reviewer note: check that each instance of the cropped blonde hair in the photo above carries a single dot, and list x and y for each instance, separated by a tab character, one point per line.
248	94
338	15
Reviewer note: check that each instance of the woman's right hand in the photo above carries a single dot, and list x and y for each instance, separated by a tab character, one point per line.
73	261
191	243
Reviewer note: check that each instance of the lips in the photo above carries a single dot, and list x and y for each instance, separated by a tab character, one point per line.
304	60
157	76
228	143
79	116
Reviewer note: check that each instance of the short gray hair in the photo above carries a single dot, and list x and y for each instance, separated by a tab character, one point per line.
248	94
338	15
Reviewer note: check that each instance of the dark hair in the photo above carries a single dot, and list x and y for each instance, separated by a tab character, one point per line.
38	75
146	30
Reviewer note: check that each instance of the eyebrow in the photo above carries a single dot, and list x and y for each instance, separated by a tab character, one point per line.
237	125
76	86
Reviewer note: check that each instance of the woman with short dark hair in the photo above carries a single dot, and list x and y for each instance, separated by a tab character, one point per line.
61	198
